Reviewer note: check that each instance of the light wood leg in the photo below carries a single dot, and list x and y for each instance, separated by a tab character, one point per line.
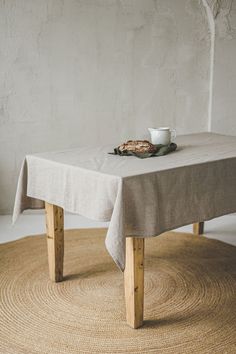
134	281
198	228
55	240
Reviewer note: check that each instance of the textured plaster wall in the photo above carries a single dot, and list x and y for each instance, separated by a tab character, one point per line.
224	82
80	72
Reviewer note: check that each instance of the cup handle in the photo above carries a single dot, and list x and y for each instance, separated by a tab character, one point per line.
173	134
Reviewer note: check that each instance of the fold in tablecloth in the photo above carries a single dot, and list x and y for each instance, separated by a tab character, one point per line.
139	197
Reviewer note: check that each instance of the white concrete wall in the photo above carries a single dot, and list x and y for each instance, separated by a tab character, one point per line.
224	82
78	72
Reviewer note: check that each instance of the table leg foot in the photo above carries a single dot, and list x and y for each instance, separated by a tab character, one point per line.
198	228
55	241
134	281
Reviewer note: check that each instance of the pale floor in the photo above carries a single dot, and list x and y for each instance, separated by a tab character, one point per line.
223	228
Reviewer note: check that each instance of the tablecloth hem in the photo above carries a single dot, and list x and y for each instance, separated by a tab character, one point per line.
120	265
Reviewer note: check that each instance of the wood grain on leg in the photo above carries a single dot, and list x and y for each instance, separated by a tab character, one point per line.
198	228
55	240
134	281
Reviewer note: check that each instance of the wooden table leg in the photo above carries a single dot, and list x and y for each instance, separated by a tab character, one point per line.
134	281
55	240
198	228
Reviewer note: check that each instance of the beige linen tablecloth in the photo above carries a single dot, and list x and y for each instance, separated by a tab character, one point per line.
140	197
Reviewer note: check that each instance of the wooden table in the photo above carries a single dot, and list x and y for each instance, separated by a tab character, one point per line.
134	270
139	197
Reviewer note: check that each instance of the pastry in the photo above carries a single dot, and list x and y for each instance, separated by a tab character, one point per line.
138	146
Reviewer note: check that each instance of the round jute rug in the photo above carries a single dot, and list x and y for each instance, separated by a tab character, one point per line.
190	297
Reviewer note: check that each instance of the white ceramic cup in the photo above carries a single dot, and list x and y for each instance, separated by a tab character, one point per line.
162	135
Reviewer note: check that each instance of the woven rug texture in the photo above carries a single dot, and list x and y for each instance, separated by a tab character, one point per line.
190	297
